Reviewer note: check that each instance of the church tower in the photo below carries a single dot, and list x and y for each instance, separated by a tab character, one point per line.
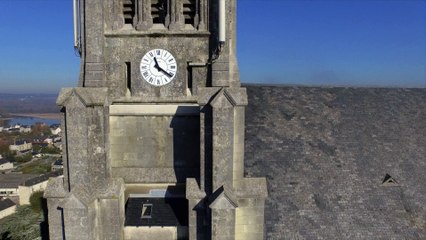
154	132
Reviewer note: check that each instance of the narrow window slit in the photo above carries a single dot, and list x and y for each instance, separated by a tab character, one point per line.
189	83
128	77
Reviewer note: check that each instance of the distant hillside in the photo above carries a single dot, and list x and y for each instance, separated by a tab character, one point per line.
28	103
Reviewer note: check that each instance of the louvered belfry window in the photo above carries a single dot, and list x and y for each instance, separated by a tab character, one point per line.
189	11
158	11
128	11
173	15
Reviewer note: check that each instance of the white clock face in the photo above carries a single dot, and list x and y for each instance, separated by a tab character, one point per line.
158	67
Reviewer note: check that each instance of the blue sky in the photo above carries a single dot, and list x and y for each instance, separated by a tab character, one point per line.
317	42
333	42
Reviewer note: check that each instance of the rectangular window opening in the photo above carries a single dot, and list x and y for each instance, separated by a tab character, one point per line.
128	11
146	211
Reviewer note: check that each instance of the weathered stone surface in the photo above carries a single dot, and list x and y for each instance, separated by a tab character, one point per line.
222	126
89	96
152	141
251	187
326	151
192	189
223	198
55	188
55	217
124	137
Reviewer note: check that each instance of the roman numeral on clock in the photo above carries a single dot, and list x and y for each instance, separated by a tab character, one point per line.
158	67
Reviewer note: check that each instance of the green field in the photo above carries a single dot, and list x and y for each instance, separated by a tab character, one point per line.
40	166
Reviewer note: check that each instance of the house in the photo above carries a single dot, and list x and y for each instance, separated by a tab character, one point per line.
13	130
6	128
56	138
21	146
48	140
58	145
57	141
5	164
9	184
36	141
20	186
55	129
57	165
25	129
35	184
7	207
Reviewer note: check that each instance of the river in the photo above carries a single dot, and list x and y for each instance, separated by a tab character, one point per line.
31	121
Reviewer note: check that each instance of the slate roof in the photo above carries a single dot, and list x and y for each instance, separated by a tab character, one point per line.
3	161
6	203
42	178
21	142
58	162
327	154
14	180
165	212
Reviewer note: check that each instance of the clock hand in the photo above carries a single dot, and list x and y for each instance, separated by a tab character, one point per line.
165	72
157	66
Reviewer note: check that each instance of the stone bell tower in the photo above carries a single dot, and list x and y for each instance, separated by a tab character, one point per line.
154	133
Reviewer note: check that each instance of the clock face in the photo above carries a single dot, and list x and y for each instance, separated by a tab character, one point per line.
158	67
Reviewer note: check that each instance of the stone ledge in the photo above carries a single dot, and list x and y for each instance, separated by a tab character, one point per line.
154	110
146	175
251	188
89	96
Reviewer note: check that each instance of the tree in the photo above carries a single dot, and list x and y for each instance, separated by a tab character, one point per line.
26	222
23	225
37	148
36	201
23	158
50	150
9	155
